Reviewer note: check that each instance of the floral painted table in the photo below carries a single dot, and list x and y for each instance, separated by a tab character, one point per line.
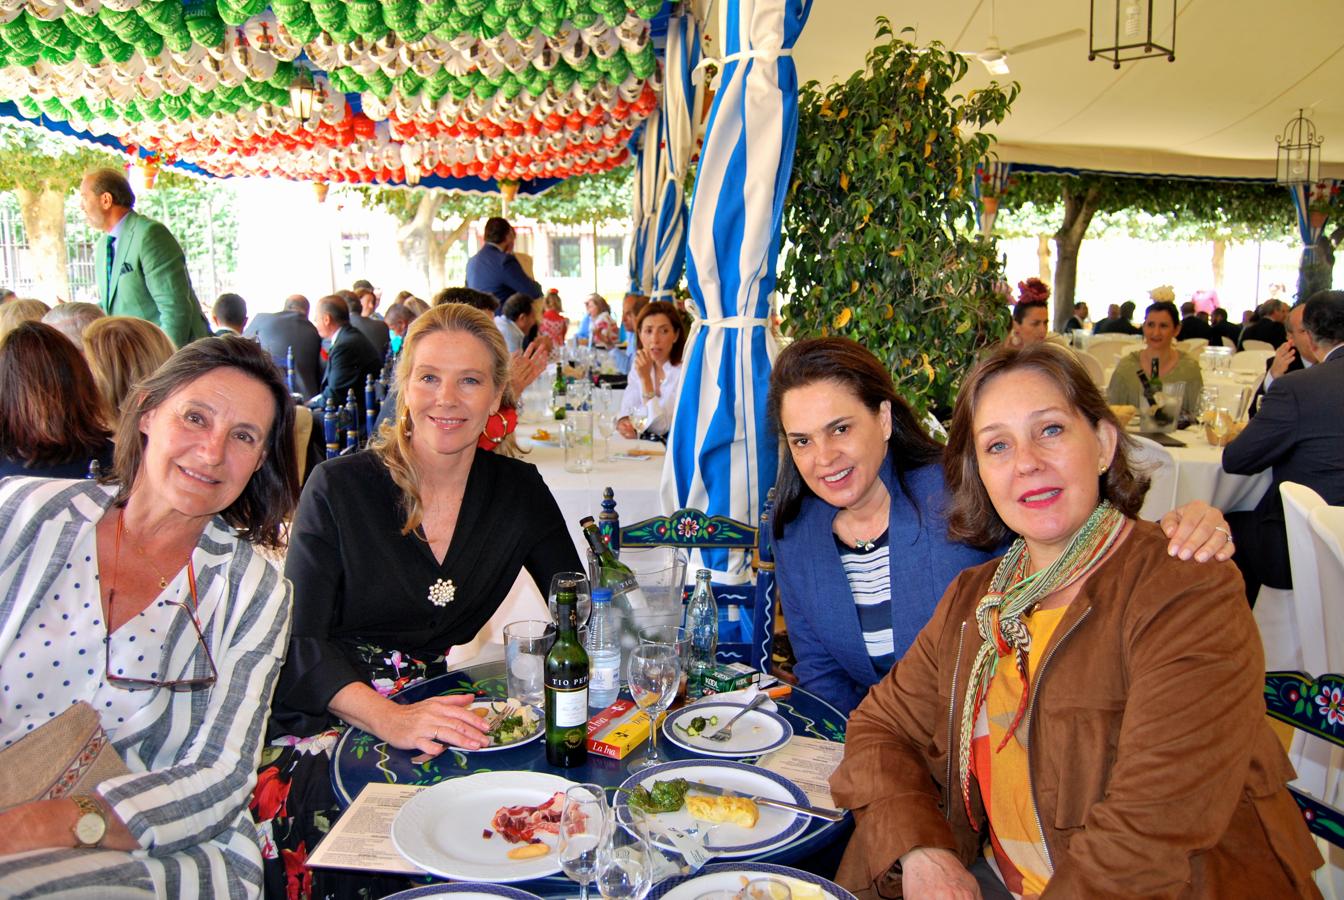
360	758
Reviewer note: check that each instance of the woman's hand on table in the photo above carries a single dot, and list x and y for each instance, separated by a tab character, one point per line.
428	725
1197	530
626	430
928	873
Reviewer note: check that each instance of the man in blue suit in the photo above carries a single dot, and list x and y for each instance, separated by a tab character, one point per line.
495	270
289	329
1299	433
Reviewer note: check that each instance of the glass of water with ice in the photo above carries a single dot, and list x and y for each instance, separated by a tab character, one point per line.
526	644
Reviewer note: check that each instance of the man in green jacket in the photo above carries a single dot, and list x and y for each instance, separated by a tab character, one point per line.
139	266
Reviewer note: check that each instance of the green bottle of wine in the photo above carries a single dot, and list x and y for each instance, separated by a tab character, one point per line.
567	685
558	391
612	573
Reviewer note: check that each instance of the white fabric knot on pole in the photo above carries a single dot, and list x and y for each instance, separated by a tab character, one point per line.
721	62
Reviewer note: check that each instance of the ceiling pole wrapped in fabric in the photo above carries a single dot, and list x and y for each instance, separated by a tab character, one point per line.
721	452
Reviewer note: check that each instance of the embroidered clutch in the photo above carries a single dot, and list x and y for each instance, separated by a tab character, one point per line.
69	755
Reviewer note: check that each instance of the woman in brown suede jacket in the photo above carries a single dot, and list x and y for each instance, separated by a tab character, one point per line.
1126	753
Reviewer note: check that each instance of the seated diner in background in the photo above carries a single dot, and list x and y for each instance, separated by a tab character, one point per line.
862	552
122	350
1161	325
1031	322
167	548
1121	323
655	374
1083	642
397	554
52	423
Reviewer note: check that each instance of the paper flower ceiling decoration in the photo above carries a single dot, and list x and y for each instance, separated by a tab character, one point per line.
512	89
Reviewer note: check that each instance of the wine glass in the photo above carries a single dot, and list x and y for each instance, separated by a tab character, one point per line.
582	591
639	420
1220	424
583	828
624	865
606	408
654	674
677	638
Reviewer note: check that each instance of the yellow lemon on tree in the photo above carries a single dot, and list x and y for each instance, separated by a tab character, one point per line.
842	318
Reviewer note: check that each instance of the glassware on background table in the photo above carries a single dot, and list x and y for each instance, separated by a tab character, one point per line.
677	638
585	597
624	865
584	821
577	436
1218	425
579	395
526	644
639	420
653	677
606	407
1208	403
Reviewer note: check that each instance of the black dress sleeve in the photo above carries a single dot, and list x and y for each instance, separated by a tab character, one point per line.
552	548
315	668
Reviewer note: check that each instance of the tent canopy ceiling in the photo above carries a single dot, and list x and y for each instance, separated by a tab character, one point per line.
1243	68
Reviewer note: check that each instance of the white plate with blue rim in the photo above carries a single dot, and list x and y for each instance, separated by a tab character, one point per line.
774	828
758	731
734	876
463	891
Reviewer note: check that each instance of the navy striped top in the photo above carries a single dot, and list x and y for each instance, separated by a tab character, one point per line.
869	577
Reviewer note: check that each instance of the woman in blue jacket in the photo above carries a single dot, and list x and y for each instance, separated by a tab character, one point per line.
861	548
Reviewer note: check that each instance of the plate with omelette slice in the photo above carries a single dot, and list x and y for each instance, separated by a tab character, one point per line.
732	826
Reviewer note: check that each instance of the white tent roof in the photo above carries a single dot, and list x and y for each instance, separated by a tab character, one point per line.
1242	70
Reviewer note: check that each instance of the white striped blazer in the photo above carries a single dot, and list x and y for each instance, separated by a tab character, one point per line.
193	757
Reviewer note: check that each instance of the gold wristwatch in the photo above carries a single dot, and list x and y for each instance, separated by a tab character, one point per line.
91	825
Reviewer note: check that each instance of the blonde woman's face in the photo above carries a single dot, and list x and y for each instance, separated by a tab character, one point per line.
450	392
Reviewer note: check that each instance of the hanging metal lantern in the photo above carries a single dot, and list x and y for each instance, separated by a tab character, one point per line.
1126	30
301	94
1299	157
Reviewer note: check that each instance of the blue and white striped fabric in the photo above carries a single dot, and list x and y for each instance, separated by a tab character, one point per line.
658	256
721	453
1303	196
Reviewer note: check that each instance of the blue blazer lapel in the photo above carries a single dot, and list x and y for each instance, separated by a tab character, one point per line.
835	599
909	561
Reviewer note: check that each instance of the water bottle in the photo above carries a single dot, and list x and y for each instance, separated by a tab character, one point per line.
604	651
702	624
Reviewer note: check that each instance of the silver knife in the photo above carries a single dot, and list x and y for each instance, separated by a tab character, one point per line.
817	812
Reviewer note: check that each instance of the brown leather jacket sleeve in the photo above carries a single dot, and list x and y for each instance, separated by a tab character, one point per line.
1185	744
886	778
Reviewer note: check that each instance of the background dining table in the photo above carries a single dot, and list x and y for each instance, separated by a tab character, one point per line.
360	759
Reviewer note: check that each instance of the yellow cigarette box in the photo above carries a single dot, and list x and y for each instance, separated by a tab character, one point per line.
617	730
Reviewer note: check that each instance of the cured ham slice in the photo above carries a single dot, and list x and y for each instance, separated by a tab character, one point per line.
522	824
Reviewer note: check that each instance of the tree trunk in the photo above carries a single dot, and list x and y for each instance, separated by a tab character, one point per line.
1316	270
415	241
44	224
1219	267
1080	204
438	278
1043	257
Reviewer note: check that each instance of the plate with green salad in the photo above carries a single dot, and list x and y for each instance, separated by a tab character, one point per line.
521	727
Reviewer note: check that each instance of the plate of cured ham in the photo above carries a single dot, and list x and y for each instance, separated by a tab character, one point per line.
491	826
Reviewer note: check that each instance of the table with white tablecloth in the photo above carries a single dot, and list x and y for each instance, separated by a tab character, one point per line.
1198	475
634	481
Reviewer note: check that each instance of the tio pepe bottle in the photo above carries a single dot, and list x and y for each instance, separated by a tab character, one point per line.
558	391
702	624
567	686
604	651
611	572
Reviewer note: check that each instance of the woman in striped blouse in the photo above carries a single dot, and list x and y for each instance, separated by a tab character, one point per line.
146	597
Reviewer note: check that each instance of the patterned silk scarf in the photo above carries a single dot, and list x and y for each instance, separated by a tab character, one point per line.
1012	594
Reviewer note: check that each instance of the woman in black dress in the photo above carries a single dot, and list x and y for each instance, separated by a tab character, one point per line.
397	554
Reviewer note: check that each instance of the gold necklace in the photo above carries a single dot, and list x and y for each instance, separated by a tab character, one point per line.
140	551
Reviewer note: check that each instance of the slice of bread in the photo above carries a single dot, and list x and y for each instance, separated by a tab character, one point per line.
734	810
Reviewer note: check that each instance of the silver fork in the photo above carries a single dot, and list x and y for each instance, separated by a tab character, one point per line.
509	709
726	731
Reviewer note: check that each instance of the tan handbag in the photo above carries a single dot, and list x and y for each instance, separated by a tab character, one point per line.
69	755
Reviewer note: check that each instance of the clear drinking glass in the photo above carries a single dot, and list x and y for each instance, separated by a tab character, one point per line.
655	672
606	406
677	638
624	865
1208	403
639	420
582	590
526	644
584	821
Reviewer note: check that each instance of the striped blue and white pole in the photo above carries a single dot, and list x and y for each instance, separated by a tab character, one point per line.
721	452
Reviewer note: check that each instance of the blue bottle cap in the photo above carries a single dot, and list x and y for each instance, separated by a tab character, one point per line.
601	595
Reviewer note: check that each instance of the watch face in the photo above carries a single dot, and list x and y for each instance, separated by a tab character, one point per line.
89	829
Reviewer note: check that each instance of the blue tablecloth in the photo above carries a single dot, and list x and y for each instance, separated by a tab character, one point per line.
360	759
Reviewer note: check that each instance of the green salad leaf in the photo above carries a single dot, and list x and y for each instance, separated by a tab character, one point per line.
666	796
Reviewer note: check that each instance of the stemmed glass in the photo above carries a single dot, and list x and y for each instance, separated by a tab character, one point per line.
624	865
584	821
639	420
676	637
655	672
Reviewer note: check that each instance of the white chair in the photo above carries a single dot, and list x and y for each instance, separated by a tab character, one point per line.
1109	350
1250	361
1258	345
1292	627
1192	346
1327	527
1159	465
1229	343
1094	368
